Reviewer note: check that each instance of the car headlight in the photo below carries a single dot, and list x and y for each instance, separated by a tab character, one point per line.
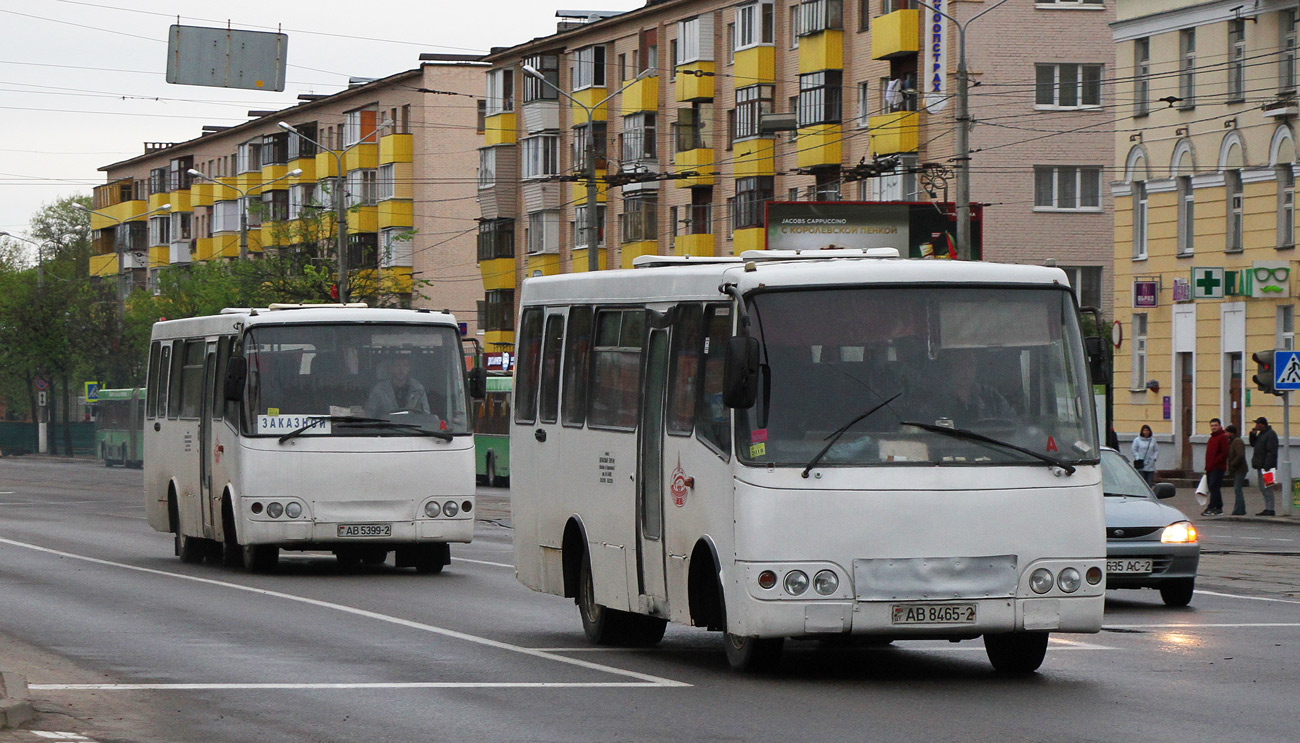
1180	533
796	582
293	510
450	508
1041	580
826	582
1069	580
432	509
274	510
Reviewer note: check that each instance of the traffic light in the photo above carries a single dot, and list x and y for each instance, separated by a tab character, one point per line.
1263	378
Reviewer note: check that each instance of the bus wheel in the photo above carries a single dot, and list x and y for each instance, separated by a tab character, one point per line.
752	654
1016	653
491	469
190	549
261	558
374	556
430	558
103	454
123	460
606	626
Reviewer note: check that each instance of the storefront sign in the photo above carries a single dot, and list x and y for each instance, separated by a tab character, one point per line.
1182	290
1166	406
1146	294
1207	283
934	30
500	362
1270	279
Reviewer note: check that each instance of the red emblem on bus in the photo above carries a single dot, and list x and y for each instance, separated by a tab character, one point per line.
679	484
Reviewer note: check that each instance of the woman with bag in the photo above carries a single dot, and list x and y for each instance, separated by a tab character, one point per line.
1144	453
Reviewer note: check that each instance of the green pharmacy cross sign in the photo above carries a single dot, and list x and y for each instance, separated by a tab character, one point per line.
1207	283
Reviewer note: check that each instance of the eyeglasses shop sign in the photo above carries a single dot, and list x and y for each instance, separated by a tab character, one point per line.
1263	280
805	226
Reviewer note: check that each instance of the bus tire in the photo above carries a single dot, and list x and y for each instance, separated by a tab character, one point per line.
232	555
1016	653
103	454
261	558
123	460
490	467
606	626
430	558
749	654
375	556
190	549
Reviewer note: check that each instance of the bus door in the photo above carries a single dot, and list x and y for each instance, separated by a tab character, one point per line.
211	508
650	479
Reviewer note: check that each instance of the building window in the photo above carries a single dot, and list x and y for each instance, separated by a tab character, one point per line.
180	227
1067	188
361	187
752	196
1141	77
540	156
1138	376
639	138
753	25
249	157
1236	61
816	16
694	40
543	232
589	68
487	167
1069	3
1286	81
225	216
751	103
386	185
498	311
864	104
275	148
1186	216
639	220
480	120
1285	207
693	129
275	206
1068	85
500	91
731	48
395	245
1139	220
301	196
496	239
1086	283
579	226
157	181
299	146
536	90
160	230
1187	68
1286	327
819	98
794	27
1236	224
360	125
179	177
827	187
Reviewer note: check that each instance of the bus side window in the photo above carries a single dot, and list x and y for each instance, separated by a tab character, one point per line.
549	403
577	365
151	400
216	386
711	416
191	389
616	369
165	380
530	359
684	372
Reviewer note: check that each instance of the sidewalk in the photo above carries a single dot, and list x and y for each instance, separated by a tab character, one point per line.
1185	501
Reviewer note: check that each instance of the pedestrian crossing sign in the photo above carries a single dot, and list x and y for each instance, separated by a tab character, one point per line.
92	392
1286	370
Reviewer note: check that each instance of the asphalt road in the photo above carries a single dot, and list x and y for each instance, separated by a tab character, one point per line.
122	642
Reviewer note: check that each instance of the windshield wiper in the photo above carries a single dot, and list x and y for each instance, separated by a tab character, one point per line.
415	427
961	433
332	419
835	436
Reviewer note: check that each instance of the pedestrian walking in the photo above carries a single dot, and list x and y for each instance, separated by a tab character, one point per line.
1237	469
1216	464
1144	453
1264	439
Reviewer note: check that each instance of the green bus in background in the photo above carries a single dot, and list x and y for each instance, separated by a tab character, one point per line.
492	432
119	427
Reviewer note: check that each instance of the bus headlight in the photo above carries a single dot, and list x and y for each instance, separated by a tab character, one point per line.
1069	580
432	509
796	582
1180	533
450	508
1041	580
293	510
826	582
274	509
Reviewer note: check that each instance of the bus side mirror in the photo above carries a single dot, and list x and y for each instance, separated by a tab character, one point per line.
478	383
236	375
1095	347
740	372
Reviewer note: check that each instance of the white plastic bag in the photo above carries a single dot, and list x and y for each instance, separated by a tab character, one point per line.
1203	492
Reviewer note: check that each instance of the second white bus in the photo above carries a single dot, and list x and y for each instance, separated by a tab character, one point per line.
832	445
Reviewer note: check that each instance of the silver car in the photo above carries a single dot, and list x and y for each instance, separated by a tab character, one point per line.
1148	544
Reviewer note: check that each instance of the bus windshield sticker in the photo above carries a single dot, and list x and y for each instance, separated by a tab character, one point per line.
315	425
758	435
757	450
272	411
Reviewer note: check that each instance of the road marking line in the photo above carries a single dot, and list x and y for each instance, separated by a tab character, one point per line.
483	562
357	685
645	677
1200	591
1187	625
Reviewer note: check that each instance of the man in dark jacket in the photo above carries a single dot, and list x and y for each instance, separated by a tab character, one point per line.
1216	463
1264	439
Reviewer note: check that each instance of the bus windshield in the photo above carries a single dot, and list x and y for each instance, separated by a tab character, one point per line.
354	380
1003	363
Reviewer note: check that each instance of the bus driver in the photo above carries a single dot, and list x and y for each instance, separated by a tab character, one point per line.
386	394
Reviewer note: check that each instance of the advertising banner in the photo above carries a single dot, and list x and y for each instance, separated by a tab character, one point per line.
915	229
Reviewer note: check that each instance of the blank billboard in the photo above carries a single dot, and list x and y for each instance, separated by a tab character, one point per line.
226	58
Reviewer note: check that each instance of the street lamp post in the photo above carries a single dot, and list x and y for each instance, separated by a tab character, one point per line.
340	208
40	256
962	116
592	227
118	241
243	194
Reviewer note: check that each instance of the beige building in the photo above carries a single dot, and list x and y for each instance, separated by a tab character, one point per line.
407	147
1204	214
863	81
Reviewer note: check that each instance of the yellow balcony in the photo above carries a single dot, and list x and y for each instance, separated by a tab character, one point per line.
326	165
692	86
497	340
395	280
699	246
271	172
579	258
823	51
158	200
755	66
632	251
896	132
201	193
181	201
642	95
308	167
699	160
754	157
225	190
363	219
225	246
753	238
203	249
103	265
896	34
122	211
500	129
498	273
159	257
589	97
248	183
363	156
396	213
396	148
818	145
547	263
578	195
272	234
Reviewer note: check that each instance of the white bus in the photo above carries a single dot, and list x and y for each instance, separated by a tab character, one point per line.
834	445
298	427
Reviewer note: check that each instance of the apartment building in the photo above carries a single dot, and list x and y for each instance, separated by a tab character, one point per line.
1204	214
677	90
406	145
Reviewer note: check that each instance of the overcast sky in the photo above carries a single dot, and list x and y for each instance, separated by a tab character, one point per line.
82	81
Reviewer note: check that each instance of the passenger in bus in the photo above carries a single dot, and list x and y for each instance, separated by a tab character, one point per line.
970	399
399	392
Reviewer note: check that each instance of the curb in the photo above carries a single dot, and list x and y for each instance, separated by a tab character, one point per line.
14	707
